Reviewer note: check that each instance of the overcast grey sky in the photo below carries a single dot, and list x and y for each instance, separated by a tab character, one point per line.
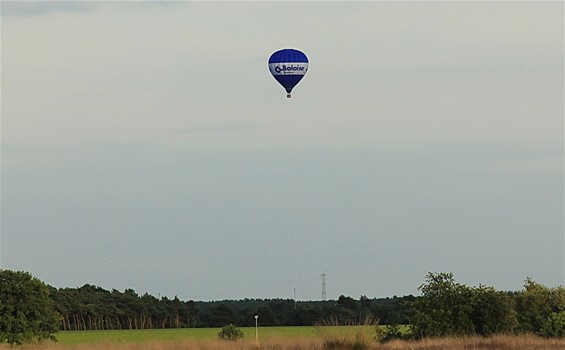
145	145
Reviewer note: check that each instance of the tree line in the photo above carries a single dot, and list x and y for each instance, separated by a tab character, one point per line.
31	310
444	308
93	308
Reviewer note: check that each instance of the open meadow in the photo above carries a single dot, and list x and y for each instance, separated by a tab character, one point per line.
177	335
280	338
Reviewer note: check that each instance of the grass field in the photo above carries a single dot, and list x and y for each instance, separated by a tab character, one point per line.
167	335
277	338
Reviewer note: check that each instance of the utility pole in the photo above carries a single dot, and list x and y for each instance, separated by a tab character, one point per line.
323	287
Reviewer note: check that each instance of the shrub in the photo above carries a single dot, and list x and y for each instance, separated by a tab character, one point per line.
393	332
349	336
541	309
230	332
554	327
447	308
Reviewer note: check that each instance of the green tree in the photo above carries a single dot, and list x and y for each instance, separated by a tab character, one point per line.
222	314
533	305
554	326
443	309
347	303
365	303
447	308
283	310
307	315
540	309
365	307
266	316
191	313
492	311
26	311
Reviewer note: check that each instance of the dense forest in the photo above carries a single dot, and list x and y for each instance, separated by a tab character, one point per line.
91	308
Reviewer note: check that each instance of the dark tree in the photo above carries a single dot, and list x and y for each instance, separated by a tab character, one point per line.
365	303
347	303
307	314
222	315
26	311
266	316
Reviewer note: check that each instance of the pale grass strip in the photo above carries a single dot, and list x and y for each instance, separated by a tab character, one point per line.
499	342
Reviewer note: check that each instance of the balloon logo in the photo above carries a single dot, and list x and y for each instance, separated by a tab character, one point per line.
288	67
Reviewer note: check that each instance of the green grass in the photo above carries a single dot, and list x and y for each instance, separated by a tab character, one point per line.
197	334
145	335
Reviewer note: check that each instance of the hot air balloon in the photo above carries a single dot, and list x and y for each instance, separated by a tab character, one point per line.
288	67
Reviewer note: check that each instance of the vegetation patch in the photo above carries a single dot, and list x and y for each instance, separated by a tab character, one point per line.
31	312
26	312
339	336
230	332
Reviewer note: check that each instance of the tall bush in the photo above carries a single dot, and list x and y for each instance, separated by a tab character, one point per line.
447	308
539	308
443	309
554	326
492	311
26	312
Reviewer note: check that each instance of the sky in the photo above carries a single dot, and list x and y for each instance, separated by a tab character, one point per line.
146	146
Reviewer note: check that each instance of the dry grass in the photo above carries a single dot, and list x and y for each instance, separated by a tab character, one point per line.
500	342
279	343
339	336
273	343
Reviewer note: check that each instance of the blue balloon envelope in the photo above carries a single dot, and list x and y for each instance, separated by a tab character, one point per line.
288	67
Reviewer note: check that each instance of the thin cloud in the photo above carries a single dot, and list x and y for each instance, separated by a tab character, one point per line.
221	128
42	8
